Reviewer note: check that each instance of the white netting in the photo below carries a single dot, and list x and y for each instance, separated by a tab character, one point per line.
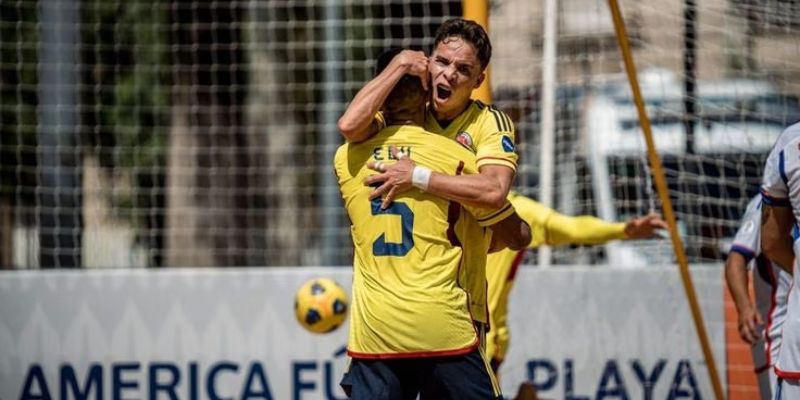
184	132
744	95
173	133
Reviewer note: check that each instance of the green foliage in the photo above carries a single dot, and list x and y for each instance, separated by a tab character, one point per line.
132	102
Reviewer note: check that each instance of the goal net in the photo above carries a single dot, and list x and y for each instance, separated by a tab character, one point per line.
167	133
741	94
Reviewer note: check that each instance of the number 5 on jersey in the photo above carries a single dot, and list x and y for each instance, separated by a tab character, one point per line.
379	246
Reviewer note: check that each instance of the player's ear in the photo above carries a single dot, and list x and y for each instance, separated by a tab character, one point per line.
480	80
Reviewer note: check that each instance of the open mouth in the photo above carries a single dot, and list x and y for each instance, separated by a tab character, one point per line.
442	92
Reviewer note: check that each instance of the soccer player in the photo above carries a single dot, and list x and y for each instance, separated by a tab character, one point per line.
411	329
548	227
771	284
461	52
780	190
457	66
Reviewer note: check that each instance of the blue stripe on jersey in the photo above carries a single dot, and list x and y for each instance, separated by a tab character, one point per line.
782	168
744	251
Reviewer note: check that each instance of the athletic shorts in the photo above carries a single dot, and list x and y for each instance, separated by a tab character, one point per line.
466	377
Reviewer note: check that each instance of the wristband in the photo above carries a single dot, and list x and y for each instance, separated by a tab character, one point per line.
421	177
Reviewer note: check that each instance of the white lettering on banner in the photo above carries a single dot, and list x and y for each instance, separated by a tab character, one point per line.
594	333
544	375
206	334
129	380
169	380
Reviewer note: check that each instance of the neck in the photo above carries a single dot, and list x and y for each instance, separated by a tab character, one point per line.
405	117
451	115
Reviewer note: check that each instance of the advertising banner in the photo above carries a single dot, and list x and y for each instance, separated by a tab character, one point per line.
577	333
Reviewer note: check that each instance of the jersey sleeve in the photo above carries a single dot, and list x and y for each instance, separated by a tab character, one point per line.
340	164
549	227
747	239
487	217
379	121
775	185
563	229
789	169
495	144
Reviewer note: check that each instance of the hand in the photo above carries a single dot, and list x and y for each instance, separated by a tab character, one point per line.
393	179
644	227
415	63
750	323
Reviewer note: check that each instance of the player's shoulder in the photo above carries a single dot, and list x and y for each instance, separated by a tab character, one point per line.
793	129
416	135
788	139
784	159
341	153
340	157
432	150
492	118
343	165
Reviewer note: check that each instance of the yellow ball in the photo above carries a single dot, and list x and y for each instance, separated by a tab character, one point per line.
320	305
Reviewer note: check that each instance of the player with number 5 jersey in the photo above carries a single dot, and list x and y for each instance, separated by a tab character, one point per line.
414	268
409	295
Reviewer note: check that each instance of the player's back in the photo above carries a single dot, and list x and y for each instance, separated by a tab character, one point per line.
407	299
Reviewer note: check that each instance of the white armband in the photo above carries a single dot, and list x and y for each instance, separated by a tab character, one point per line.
421	177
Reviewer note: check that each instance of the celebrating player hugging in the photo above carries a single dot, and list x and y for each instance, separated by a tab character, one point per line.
419	264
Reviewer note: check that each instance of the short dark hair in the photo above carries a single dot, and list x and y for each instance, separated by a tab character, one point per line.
408	91
385	58
470	32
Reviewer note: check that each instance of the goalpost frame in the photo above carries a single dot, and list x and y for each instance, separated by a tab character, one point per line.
663	193
478	11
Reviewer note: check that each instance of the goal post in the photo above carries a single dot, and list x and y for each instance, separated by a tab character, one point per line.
663	193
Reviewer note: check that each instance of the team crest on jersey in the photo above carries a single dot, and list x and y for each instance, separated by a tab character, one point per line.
508	144
466	140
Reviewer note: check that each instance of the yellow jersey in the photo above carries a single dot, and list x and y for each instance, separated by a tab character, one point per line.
410	289
489	134
548	227
486	131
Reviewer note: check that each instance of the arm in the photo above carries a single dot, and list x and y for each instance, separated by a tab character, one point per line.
488	189
511	232
561	229
776	236
736	277
358	121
